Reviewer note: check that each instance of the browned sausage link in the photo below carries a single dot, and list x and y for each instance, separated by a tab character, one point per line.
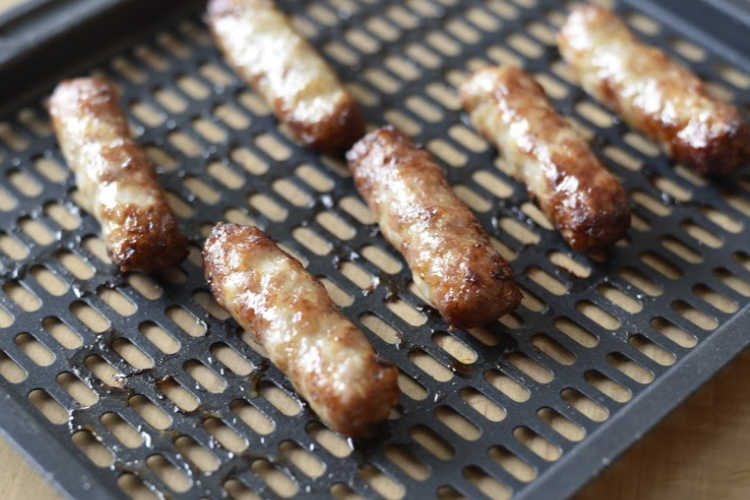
583	199
329	361
652	92
115	176
451	258
258	40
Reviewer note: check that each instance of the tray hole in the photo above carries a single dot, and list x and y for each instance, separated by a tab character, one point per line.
35	122
576	332
105	372
47	406
361	94
304	461
192	87
640	143
145	285
595	114
151	414
335	225
62	216
225	175
382	259
93	449
199	456
503	56
732	75
122	430
520	232
35	350
472	199
587	407
651	204
722	220
719	91
638	223
311	241
673	333
164	341
51	169
424	109
249	161
406	312
252	417
207	302
206	193
177	394
560	424
462	31
216	75
12	138
739	203
449	493
314	178
432	442
551	86
382	81
231	116
381	483
512	464
341	53
481	19
12	247
205	376
537	215
279	399
717	300
339	297
553	349
7	202
546	281
334	443
292	193
660	265
10	370
97	248
537	444
639	280
423	55
483	405
733	281
209	131
230	358
225	435
60	332
742	259
381	328
460	351
443	44
672	188
186	321
457	423
493	184
652	350
531	368
488	485
24	183
185	144
117	301
444	95
132	486
430	366
36	230
695	316
170	475
407	462
607	386
507	386
630	368
622	158
361	41
358	276
447	153
49	280
620	299
179	206
411	388
643	23
403	122
541	32
147	114
531	301
77	389
238	491
150	57
688	50
253	102
89	316
402	67
701	234
132	354
403	17
170	100
681	250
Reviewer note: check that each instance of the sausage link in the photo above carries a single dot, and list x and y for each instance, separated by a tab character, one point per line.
258	40
329	361
451	258
115	177
652	92
586	203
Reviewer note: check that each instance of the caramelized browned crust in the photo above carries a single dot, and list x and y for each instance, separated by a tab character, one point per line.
258	40
451	258
652	92
115	176
583	199
328	360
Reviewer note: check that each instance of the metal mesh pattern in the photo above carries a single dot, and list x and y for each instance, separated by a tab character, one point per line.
148	384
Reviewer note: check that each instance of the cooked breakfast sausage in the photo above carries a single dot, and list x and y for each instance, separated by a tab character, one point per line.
652	92
258	40
581	197
115	177
329	361
451	258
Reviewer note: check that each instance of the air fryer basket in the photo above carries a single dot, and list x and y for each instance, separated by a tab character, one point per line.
127	384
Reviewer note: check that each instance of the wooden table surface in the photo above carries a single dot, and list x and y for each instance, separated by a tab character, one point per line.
700	452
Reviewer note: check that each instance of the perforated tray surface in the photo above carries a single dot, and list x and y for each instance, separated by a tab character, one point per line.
122	385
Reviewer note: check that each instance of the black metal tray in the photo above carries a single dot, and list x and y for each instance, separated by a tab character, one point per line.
516	393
